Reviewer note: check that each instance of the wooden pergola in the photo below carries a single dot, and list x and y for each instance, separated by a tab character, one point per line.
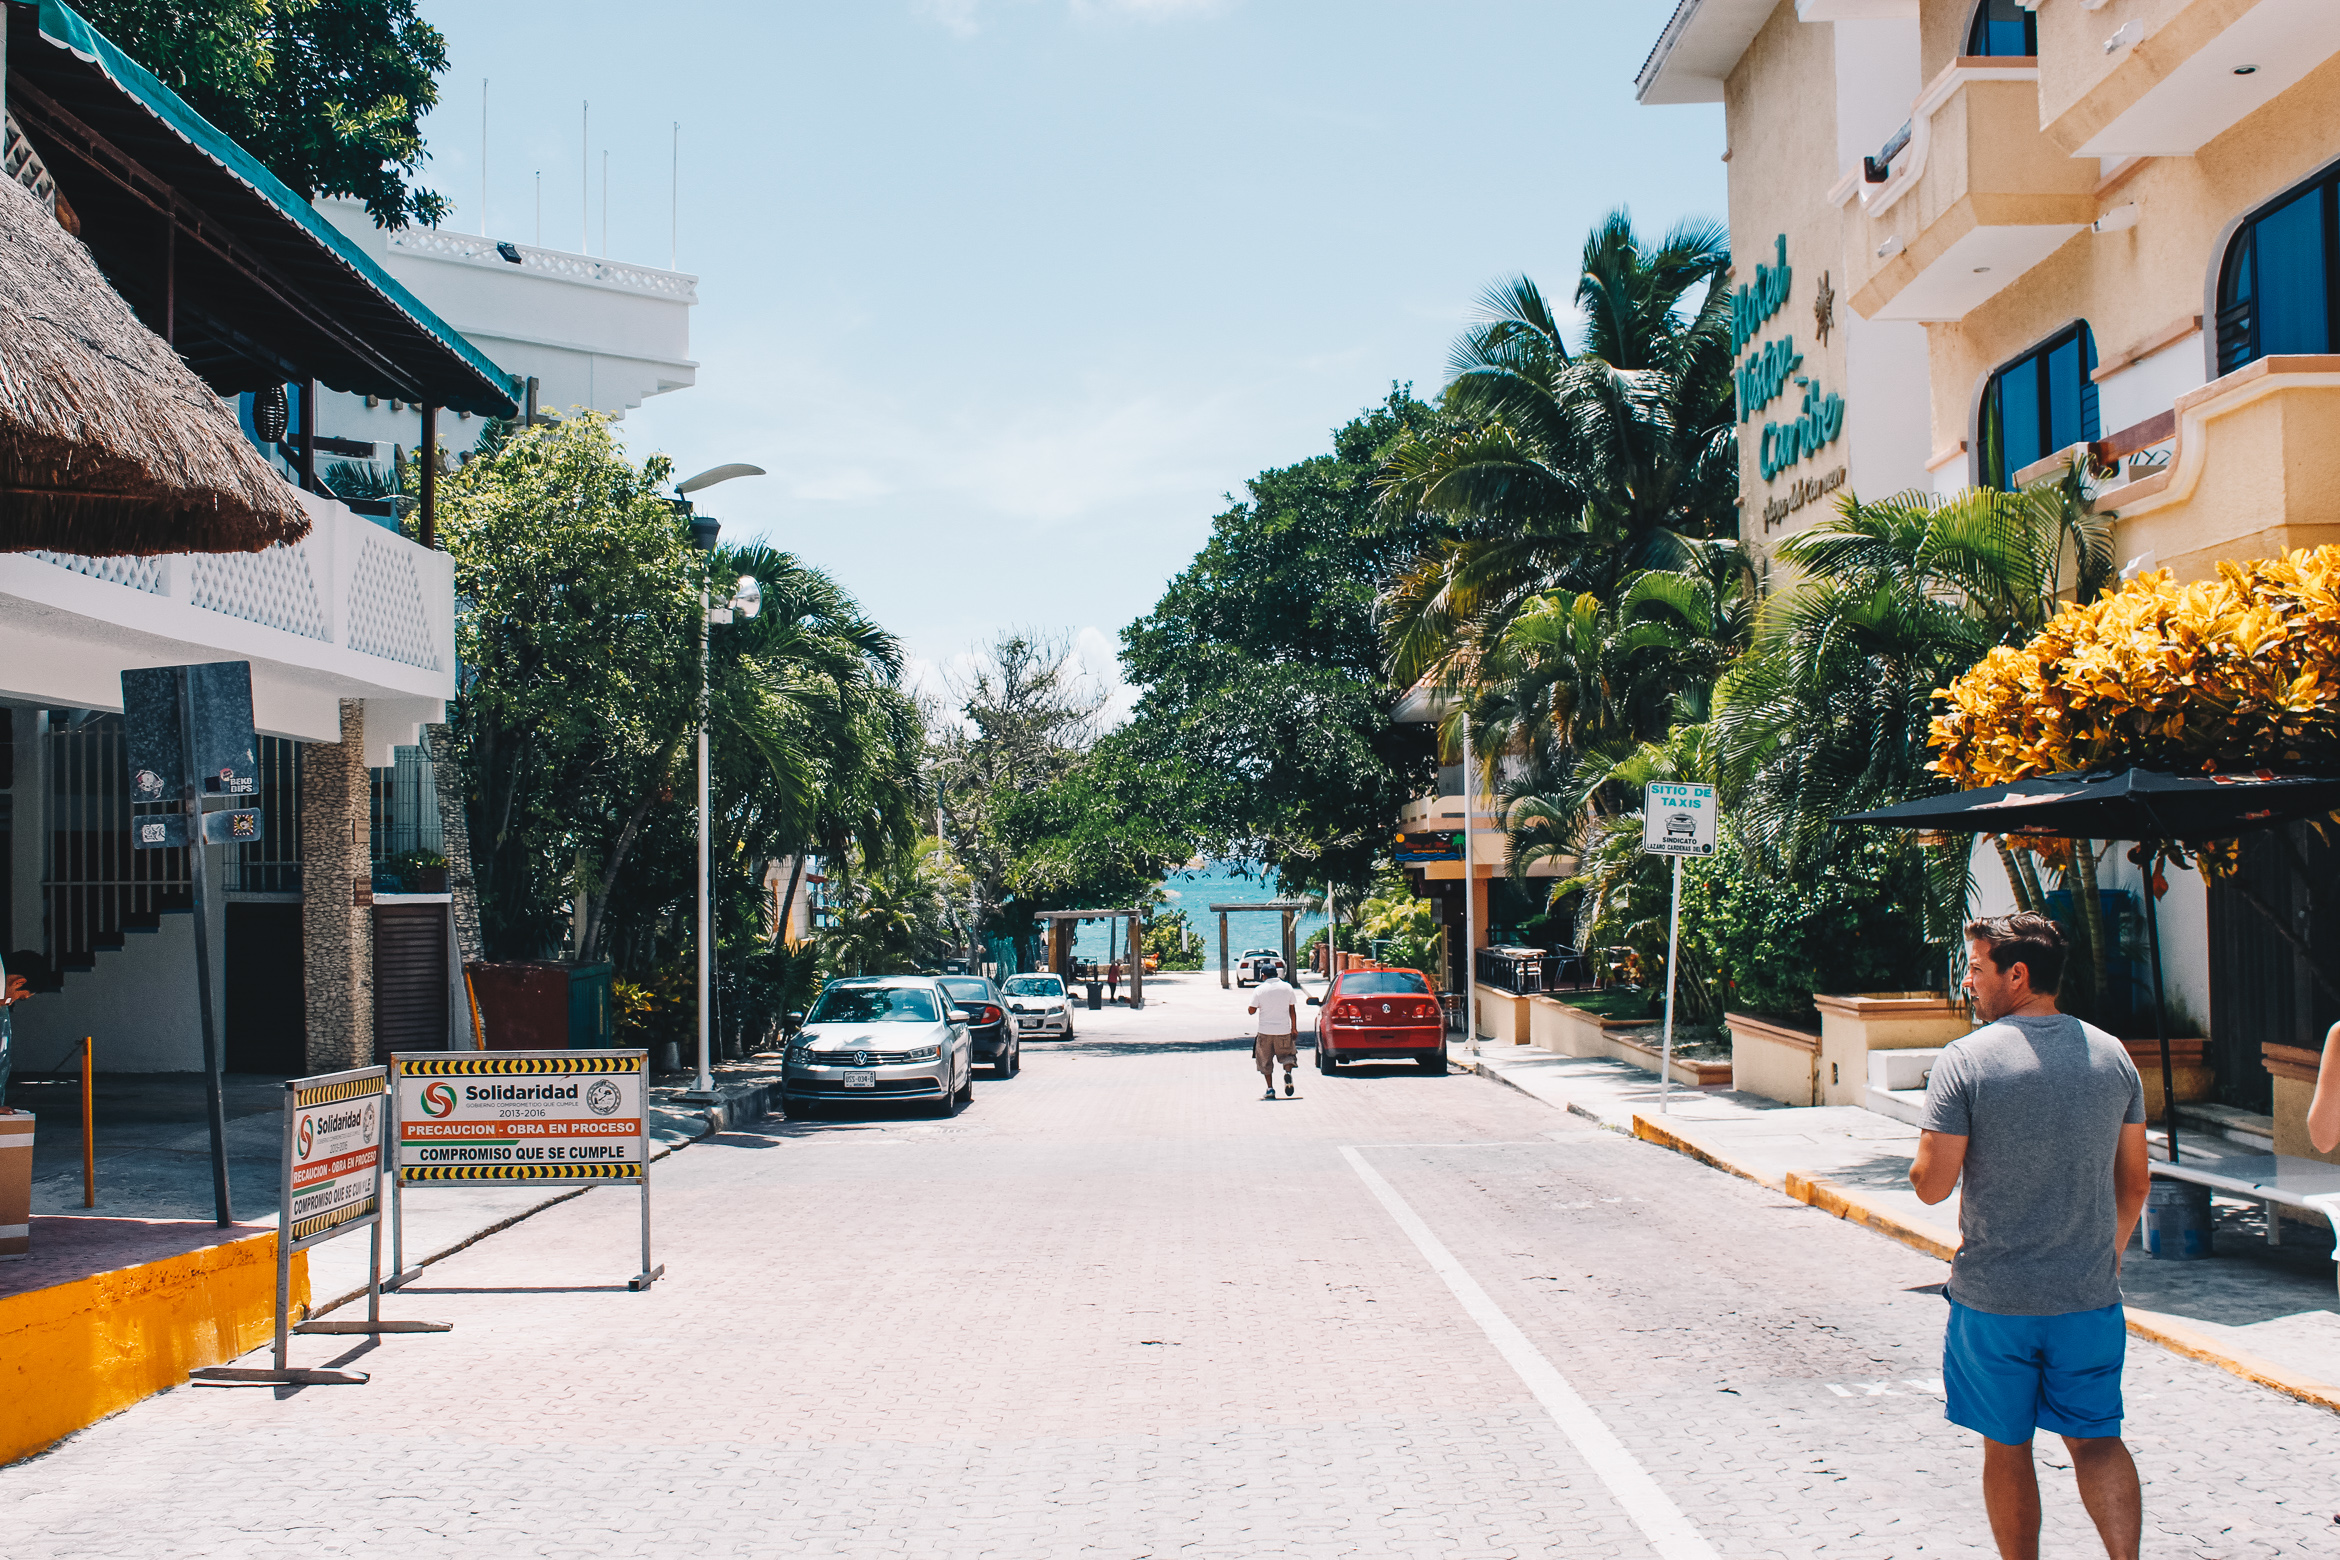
1288	908
1060	926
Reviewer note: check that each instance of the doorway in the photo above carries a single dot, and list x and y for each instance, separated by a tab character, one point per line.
267	1026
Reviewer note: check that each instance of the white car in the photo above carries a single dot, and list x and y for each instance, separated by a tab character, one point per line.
1042	1009
1258	964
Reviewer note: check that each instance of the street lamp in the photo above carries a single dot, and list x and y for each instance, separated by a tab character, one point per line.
746	601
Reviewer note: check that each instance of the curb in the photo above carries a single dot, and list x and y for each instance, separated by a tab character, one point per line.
1474	1065
738	1107
1856	1207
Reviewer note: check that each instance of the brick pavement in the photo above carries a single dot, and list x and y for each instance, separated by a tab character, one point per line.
1123	1307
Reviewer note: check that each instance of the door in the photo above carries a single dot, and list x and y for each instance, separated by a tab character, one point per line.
410	979
266	1002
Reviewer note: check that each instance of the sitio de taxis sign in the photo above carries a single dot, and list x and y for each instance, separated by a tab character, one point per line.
520	1116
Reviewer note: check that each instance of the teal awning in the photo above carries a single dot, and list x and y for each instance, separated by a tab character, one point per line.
262	287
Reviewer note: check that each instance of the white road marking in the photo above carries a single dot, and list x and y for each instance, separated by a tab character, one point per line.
1660	1520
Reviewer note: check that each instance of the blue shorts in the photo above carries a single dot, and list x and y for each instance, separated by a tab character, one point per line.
2007	1376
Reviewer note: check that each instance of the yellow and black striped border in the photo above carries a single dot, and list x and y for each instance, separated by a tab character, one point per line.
411	1173
347	1089
325	1221
517	1066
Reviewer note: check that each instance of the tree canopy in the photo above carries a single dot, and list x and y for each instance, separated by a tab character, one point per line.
329	94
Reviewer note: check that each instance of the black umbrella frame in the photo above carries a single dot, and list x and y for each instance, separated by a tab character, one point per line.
2171	816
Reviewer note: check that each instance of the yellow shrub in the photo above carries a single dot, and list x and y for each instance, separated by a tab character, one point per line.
2239	672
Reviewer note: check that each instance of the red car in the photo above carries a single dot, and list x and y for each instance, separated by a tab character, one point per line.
1380	1015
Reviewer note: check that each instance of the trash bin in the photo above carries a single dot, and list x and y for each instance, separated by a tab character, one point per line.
2177	1220
1096	995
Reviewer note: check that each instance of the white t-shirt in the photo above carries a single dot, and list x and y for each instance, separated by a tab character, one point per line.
1279	1007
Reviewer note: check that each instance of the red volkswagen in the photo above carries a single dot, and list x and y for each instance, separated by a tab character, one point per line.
1380	1015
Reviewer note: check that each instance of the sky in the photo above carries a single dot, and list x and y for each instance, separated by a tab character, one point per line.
1008	296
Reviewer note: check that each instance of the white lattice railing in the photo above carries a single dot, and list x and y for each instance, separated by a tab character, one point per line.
349	584
647	280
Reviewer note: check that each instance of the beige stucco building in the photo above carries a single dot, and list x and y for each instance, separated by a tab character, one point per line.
2051	230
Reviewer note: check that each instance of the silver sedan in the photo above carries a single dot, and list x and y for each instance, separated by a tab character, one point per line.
892	1038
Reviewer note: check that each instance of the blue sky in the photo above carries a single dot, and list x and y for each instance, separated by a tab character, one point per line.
1007	294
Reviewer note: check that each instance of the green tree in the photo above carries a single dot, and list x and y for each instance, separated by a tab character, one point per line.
1264	692
1565	469
328	94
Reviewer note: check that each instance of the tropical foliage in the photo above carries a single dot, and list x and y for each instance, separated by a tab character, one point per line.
2237	672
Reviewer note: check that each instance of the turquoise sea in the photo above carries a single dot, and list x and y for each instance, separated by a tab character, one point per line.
1195	893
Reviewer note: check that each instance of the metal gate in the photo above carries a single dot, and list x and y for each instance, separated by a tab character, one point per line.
2260	989
94	886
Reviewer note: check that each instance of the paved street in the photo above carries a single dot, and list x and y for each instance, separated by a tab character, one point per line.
1123	1307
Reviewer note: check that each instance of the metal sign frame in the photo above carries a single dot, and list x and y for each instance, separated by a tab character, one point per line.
1677	820
363	1091
606	1066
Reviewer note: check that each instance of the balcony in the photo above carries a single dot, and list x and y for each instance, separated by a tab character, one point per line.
1976	197
353	611
2149	78
2253	471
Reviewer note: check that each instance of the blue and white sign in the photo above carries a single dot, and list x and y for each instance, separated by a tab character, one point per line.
1677	820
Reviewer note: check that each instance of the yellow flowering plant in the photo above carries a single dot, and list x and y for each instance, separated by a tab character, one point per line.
2237	672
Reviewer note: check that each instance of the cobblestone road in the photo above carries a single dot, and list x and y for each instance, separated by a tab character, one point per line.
1123	1307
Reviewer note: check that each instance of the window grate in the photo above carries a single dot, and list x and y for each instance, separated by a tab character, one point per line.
95	886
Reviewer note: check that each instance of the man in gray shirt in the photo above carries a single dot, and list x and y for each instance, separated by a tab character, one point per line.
2045	1118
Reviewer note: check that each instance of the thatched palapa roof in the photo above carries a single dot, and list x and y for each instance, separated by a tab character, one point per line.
109	444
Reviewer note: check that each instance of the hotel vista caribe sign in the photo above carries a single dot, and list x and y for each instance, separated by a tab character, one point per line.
1765	374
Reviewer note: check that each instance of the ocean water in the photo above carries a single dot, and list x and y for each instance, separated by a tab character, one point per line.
1195	893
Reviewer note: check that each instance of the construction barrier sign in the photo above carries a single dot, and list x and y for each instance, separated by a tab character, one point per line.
472	1118
332	1153
520	1116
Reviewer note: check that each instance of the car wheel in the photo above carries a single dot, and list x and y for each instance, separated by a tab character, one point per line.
1435	1066
1324	1057
1009	1063
948	1105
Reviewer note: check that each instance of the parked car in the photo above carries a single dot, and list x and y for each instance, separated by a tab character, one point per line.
1380	1015
1258	964
882	1038
1041	1007
997	1043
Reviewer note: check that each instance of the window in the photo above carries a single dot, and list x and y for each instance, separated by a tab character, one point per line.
2003	29
875	1005
1382	983
2042	402
2275	295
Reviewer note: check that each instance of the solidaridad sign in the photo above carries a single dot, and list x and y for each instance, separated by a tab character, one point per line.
335	1152
520	1116
1677	820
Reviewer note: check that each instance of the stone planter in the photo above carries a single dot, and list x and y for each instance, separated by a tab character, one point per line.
2294	1070
16	1167
1777	1061
1573	1031
2189	1070
1853	1026
1503	1017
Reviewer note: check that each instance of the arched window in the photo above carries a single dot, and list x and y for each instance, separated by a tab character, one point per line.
2275	294
2003	28
2042	402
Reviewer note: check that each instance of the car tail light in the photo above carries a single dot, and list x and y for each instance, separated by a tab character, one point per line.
1349	1012
991	1015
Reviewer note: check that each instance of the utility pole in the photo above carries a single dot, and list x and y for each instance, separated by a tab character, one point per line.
1470	898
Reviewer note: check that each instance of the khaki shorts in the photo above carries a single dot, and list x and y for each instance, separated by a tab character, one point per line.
1267	1049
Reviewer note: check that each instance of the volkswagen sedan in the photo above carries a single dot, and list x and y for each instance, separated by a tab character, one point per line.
893	1038
1380	1015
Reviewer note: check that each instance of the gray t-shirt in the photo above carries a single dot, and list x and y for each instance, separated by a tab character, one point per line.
2041	1103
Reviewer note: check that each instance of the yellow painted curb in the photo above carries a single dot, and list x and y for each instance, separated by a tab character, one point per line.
73	1353
1861	1209
2175	1334
2171	1332
1655	1129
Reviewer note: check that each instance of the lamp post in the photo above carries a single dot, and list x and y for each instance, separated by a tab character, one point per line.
747	600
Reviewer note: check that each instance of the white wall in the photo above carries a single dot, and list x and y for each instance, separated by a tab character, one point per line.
138	1004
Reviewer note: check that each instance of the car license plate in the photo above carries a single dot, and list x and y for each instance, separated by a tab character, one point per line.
861	1080
1032	1023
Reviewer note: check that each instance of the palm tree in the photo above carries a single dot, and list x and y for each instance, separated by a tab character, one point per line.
1831	710
1570	468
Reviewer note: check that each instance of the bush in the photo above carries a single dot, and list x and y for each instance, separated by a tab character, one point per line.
1171	939
1853	922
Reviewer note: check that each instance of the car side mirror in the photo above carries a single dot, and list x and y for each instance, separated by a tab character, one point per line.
1316	1002
964	1010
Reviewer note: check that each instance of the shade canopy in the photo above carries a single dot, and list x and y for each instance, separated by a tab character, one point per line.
2122	804
259	288
108	443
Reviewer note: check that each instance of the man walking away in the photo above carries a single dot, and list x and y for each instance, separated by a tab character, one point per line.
2045	1118
1278	1007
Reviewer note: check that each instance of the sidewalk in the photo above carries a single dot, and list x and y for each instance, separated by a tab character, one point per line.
2264	1312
